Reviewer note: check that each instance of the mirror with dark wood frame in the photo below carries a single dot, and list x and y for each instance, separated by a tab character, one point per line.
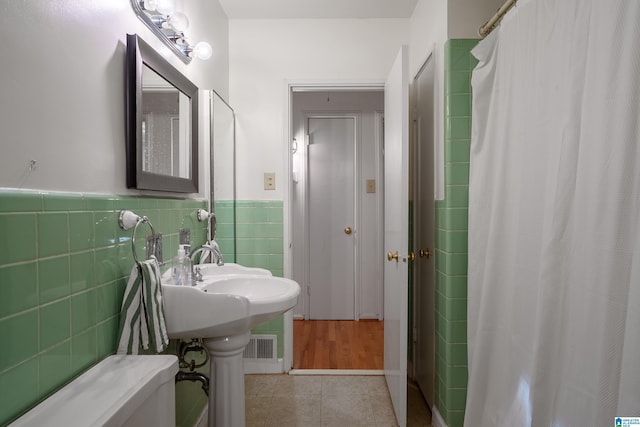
161	122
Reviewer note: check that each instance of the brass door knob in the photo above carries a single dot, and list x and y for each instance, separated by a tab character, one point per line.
424	253
391	256
411	256
347	230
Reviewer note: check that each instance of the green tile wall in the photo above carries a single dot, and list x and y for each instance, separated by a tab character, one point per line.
225	211
451	236
259	235
259	243
64	263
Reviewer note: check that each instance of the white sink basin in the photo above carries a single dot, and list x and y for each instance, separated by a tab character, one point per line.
191	313
210	270
217	271
226	304
268	296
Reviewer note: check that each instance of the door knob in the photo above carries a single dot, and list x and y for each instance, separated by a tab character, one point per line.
392	256
347	230
424	253
411	256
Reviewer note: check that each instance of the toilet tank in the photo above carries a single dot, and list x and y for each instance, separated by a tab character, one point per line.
119	391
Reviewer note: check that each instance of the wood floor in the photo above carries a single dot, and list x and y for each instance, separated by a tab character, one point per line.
338	344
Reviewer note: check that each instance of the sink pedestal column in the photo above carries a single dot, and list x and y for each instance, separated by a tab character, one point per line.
226	396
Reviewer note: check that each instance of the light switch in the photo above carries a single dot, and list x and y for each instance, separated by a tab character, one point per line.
269	180
371	186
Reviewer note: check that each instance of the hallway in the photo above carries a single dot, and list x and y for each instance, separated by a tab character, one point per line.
338	344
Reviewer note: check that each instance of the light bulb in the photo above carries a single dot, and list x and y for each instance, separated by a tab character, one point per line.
150	5
178	21
166	7
202	50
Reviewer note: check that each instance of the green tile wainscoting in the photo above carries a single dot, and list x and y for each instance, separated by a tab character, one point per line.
451	236
259	235
250	232
64	265
260	243
225	235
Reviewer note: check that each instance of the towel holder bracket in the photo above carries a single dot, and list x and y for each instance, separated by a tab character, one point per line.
129	219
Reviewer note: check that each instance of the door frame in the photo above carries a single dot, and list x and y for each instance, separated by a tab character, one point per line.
289	87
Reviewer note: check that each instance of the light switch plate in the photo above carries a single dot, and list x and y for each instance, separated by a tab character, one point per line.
371	186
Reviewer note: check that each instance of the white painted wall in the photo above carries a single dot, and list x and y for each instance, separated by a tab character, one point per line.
428	32
62	86
62	80
266	54
466	16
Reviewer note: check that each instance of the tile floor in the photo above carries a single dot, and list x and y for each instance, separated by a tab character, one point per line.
320	400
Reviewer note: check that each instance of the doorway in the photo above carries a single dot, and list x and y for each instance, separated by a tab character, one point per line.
336	212
336	203
388	214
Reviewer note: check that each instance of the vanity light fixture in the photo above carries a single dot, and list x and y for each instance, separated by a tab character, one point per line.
169	25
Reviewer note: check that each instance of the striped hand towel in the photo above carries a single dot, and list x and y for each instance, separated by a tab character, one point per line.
142	313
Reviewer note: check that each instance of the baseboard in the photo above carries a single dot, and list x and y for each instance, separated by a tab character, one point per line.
263	366
437	420
335	372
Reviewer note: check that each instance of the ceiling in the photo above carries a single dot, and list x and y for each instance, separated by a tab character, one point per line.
318	9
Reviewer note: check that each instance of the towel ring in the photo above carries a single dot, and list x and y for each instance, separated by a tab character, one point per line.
129	219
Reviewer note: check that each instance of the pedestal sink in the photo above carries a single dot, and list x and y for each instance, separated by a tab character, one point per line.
222	310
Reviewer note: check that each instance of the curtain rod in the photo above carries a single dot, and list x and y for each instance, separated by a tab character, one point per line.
492	23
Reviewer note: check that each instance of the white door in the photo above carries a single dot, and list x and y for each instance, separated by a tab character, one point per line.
396	229
424	208
331	213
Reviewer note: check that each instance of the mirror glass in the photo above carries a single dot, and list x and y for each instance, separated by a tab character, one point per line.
223	185
162	123
165	127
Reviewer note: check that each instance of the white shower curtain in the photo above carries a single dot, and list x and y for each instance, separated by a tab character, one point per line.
554	217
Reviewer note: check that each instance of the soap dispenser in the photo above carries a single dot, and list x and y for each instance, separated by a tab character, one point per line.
182	267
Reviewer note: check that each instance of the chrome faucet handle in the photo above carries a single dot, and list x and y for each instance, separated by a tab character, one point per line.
198	276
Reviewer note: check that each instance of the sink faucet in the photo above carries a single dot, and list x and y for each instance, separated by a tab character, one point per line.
198	275
213	248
